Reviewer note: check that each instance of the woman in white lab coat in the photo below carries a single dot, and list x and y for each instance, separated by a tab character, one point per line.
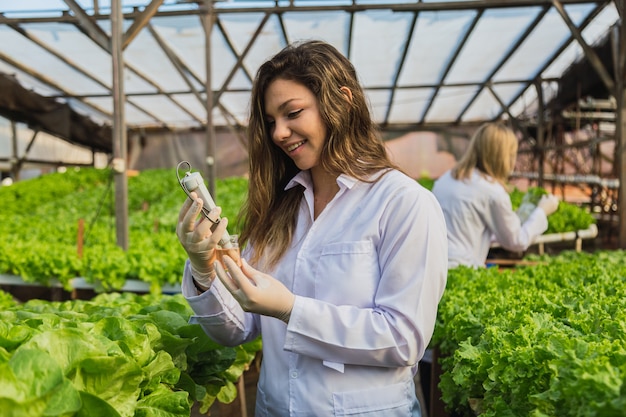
476	204
345	257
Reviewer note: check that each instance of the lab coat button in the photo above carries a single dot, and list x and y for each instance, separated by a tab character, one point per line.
294	374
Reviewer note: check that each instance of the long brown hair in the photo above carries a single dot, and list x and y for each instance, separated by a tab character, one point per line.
492	150
353	145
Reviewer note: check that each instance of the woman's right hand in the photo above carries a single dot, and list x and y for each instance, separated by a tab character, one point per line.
549	203
198	240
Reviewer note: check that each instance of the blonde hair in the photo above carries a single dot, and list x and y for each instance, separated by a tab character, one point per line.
353	145
492	150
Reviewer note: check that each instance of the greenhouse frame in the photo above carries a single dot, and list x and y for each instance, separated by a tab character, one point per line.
102	74
96	93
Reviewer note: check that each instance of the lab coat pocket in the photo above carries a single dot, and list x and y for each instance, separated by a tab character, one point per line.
347	273
389	401
261	404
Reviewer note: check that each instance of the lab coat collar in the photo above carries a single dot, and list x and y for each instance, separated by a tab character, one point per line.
304	178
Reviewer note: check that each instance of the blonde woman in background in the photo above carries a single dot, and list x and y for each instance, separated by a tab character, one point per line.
476	204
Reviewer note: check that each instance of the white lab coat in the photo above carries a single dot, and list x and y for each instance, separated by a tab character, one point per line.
477	211
368	274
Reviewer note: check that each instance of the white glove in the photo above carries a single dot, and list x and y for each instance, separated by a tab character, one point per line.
549	203
197	239
255	291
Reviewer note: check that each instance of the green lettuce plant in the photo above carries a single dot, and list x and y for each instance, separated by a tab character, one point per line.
544	340
117	355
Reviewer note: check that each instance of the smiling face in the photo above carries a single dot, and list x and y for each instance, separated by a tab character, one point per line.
295	124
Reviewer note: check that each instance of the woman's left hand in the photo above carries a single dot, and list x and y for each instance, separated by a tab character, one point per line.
255	291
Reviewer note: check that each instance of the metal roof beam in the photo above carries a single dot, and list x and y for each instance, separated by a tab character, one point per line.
45	80
283	30
229	116
299	7
460	84
156	87
245	90
210	166
396	76
621	9
181	67
144	16
140	22
239	63
541	139
558	52
350	35
20	161
236	128
591	55
86	24
450	64
89	26
231	46
75	67
513	119
618	50
70	63
505	58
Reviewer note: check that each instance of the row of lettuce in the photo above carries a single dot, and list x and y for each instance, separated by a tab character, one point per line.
117	355
39	225
544	340
538	341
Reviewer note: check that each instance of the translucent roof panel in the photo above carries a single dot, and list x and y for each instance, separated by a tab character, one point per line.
527	104
239	28
448	103
194	106
409	104
541	44
383	32
184	36
422	63
165	109
434	40
237	104
379	100
330	26
487	106
592	34
71	43
145	53
494	36
45	63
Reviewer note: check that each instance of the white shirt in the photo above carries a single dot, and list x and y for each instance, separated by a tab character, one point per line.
368	274
478	210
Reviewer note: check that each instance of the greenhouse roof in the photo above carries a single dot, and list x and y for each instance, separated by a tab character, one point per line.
423	63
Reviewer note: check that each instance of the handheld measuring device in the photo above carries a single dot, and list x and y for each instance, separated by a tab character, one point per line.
193	182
